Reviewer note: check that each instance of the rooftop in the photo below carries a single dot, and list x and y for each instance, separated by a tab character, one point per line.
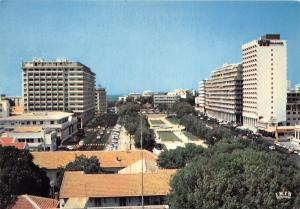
77	184
34	202
39	116
25	129
108	159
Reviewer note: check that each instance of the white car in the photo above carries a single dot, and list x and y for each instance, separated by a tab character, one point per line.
272	147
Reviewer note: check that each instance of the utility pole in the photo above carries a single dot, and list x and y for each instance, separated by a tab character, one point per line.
142	161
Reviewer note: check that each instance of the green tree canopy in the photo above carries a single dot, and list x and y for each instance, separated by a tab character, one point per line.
82	163
183	108
238	178
19	175
148	139
179	157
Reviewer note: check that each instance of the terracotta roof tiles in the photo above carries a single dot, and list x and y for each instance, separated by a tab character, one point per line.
108	159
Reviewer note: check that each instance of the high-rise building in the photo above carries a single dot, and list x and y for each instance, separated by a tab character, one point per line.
264	81
100	101
293	107
59	85
223	93
200	99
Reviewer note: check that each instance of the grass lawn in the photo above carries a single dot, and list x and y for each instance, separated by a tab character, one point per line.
167	136
173	120
157	122
190	136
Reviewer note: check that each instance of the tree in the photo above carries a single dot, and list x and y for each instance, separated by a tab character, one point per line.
245	178
19	175
183	108
148	139
179	157
87	165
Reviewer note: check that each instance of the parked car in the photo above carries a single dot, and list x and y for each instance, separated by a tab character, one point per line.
272	147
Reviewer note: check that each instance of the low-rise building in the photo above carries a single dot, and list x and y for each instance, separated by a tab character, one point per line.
65	124
134	95
12	142
114	190
37	138
33	202
165	99
110	161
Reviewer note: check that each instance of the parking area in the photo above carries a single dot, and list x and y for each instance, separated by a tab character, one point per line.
114	139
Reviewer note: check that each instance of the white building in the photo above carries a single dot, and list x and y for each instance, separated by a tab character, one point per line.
223	93
4	107
201	98
65	124
59	85
37	138
165	99
264	81
100	100
293	107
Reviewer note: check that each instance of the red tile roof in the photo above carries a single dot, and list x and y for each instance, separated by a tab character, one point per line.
107	159
77	184
6	140
18	145
34	202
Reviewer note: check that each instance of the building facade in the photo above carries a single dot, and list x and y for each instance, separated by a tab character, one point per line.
201	98
4	107
100	101
59	85
293	107
64	124
223	93
165	99
264	81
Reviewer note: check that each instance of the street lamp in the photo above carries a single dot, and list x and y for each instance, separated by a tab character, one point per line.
141	141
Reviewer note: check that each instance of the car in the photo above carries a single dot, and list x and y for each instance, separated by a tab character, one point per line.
272	147
71	147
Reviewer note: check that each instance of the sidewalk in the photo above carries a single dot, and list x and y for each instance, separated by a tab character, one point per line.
124	143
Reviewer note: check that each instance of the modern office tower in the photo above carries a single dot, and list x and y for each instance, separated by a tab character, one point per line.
200	99
224	91
165	99
59	85
100	101
293	107
264	82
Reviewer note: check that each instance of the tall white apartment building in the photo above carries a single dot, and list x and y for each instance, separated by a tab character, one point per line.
223	93
59	85
264	81
100	100
200	99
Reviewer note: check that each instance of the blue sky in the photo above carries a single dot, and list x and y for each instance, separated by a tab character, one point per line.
140	45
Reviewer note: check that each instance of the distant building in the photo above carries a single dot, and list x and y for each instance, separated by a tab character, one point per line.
122	99
147	93
264	81
223	93
200	100
100	101
15	104
134	95
165	99
113	190
59	85
35	126
293	107
182	93
4	107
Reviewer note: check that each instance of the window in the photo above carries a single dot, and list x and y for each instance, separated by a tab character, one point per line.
51	122
28	122
34	122
41	122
